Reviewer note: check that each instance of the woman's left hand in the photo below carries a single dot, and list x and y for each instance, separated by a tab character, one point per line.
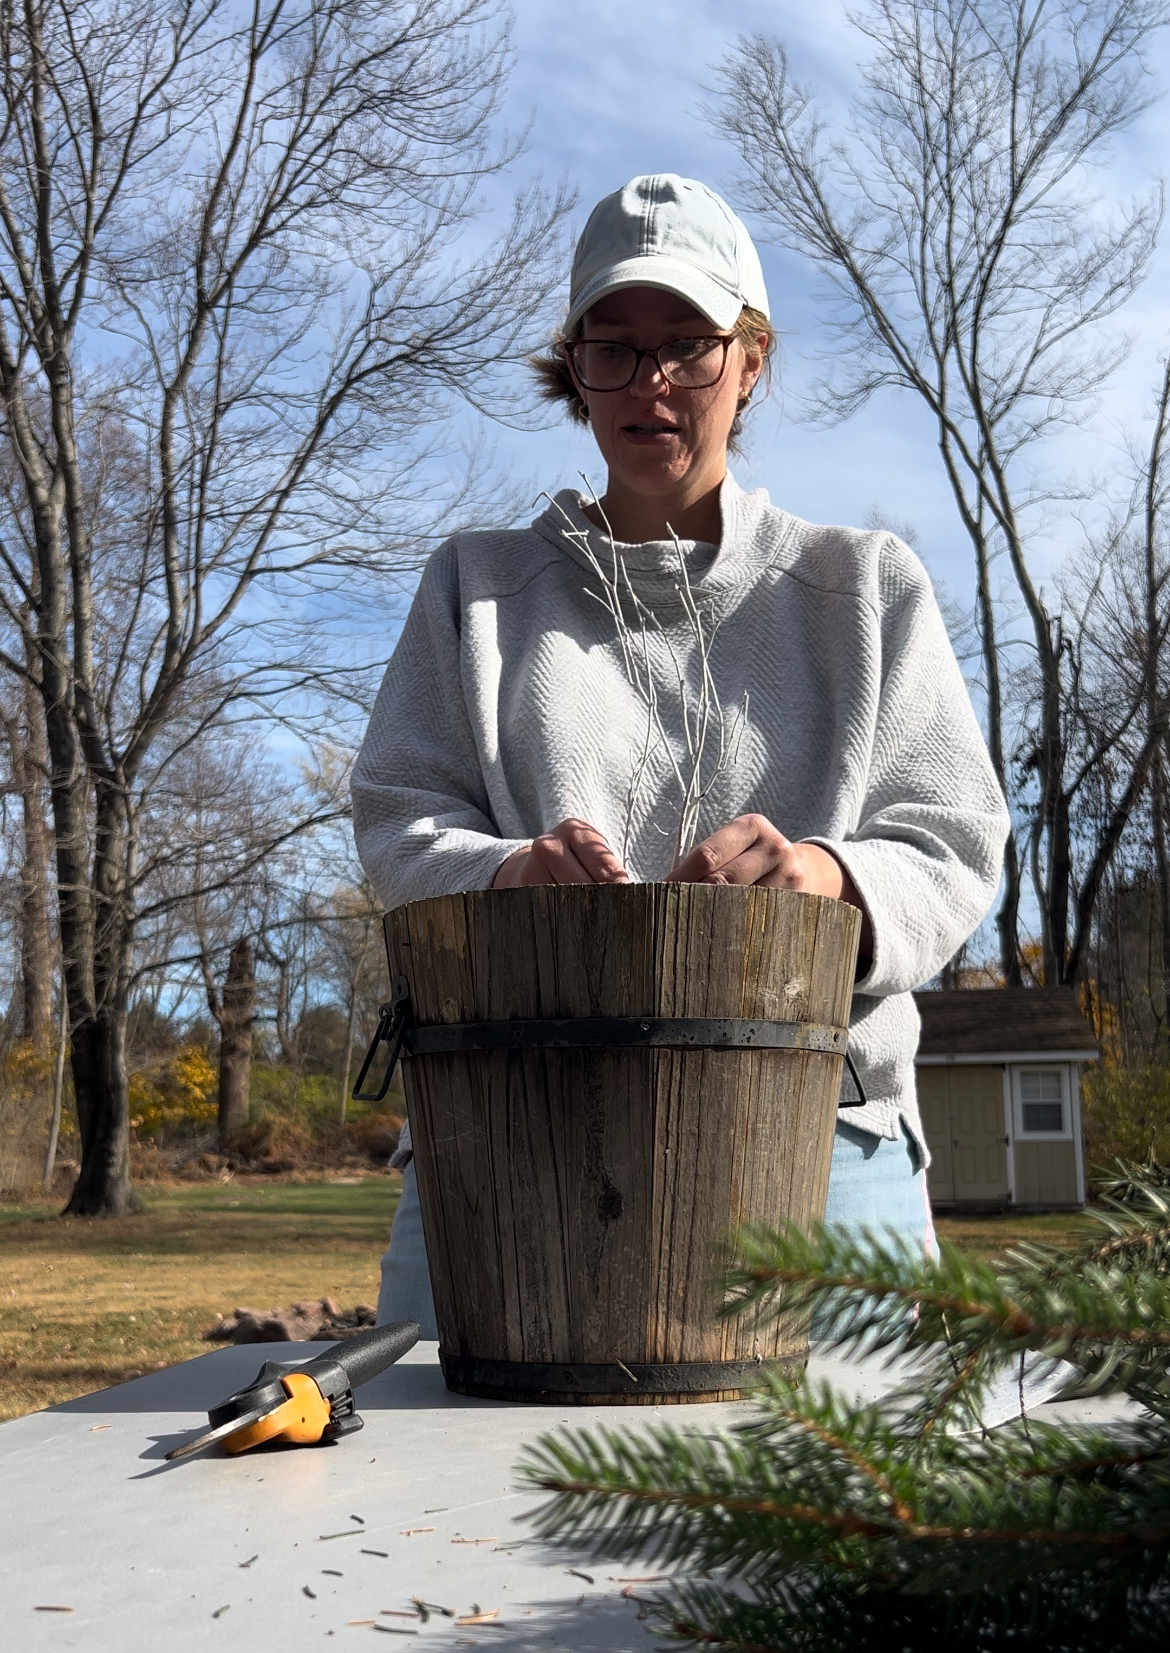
750	850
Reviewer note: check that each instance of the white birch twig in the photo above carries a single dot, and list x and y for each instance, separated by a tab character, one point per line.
700	719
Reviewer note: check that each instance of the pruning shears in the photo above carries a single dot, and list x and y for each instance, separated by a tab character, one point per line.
304	1402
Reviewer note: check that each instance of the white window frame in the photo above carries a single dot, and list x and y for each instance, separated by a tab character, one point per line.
1066	1102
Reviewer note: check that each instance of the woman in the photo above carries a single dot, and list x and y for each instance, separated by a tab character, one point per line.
505	734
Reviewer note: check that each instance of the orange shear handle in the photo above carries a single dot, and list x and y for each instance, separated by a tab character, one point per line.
301	1419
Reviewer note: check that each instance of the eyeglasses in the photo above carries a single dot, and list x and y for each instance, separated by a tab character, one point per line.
691	364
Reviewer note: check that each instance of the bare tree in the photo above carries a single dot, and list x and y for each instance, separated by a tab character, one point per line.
351	934
1117	706
232	321
226	824
970	264
287	942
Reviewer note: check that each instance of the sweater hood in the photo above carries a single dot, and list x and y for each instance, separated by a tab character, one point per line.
652	568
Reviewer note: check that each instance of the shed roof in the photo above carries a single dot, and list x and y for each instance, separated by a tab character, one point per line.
966	1021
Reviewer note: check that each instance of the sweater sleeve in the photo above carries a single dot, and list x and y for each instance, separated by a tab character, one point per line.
927	850
421	816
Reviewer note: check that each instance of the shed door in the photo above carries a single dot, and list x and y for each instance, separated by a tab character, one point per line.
963	1121
978	1133
934	1104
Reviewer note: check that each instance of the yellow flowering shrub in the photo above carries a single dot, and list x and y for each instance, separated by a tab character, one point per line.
178	1090
25	1067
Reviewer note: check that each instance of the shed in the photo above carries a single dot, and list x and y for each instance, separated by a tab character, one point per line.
999	1089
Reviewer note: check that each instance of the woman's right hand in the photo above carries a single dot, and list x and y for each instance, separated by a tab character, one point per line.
572	853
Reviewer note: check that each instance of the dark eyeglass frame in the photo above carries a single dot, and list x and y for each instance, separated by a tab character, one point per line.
724	339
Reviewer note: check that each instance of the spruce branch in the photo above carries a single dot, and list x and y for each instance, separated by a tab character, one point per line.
1082	1314
818	1525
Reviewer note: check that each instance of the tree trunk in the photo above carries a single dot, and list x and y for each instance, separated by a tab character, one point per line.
36	950
1162	858
283	1017
98	1063
1007	919
974	515
97	944
235	1042
1155	642
58	1090
1056	895
29	761
347	1061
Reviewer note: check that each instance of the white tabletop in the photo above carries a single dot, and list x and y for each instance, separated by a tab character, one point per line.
234	1553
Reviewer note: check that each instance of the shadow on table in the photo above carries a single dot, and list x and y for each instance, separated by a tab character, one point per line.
601	1623
415	1384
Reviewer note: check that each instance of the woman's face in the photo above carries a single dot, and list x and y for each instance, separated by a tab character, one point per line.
658	440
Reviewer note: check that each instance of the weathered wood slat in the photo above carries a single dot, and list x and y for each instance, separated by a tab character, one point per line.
573	1200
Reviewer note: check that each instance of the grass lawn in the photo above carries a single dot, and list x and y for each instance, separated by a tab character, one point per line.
992	1236
84	1303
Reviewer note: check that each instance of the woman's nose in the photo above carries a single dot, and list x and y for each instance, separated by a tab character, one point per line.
649	379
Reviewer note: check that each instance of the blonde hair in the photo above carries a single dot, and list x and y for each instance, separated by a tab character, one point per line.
555	383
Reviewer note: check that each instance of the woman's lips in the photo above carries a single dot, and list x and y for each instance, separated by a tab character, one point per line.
654	436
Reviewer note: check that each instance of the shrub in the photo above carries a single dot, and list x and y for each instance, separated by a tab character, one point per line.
174	1095
294	1124
1127	1112
26	1107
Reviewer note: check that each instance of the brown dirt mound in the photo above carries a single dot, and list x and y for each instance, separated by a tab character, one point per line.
268	1149
321	1321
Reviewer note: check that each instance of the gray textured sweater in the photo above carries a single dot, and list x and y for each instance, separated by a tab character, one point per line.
506	708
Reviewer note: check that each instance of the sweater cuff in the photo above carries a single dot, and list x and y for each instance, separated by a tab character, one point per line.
464	861
490	861
841	852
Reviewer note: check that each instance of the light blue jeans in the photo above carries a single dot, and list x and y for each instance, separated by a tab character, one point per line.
873	1183
878	1184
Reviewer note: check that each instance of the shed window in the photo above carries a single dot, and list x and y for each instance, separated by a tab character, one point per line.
1041	1101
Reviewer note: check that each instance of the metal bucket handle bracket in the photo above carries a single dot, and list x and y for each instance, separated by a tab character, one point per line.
397	1031
393	1020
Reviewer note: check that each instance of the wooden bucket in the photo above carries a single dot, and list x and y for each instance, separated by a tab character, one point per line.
575	1187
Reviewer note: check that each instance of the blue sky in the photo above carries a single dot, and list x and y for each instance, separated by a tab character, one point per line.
615	89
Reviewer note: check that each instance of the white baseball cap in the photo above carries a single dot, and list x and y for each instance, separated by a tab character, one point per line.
669	232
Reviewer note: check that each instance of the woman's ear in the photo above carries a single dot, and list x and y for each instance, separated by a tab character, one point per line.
582	394
753	366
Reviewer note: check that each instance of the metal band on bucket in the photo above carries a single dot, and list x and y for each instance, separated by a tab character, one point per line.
547	1380
399	1032
608	1032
